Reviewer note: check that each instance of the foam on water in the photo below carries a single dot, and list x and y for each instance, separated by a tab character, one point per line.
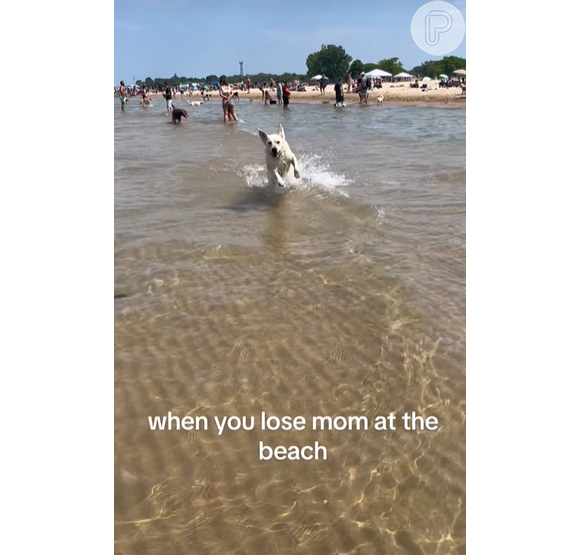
315	176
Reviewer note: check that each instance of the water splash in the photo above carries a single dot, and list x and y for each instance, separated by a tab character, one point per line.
315	176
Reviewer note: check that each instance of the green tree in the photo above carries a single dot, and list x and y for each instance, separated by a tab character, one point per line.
356	67
211	78
262	77
331	60
452	63
392	65
434	68
287	77
429	68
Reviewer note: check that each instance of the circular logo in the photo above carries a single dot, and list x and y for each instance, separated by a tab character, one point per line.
438	28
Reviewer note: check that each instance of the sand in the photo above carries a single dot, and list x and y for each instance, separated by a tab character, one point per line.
396	94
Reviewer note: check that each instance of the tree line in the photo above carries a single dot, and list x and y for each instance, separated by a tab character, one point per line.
333	62
175	81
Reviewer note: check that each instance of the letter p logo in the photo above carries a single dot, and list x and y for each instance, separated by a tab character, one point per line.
438	28
437	22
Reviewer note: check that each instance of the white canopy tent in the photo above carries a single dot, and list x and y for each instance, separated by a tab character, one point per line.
377	73
402	75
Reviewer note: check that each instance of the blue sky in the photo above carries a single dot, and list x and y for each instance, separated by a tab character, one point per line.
157	38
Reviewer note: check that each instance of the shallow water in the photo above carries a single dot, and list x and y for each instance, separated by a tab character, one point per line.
345	296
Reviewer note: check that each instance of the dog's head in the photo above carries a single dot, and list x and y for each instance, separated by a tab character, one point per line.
184	114
274	143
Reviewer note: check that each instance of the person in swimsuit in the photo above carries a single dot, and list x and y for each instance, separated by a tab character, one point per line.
168	98
226	93
144	99
123	95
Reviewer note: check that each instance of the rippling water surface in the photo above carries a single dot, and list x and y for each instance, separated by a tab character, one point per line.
345	296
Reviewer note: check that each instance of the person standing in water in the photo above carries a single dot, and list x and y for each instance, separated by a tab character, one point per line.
144	99
168	98
226	93
123	95
338	94
286	94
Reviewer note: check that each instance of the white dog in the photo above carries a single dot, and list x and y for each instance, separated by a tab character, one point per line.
195	102
279	157
380	99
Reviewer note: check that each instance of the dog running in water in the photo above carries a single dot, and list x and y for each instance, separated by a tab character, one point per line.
279	157
177	114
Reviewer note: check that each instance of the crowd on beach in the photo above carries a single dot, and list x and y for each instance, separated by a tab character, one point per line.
352	85
272	92
226	93
136	90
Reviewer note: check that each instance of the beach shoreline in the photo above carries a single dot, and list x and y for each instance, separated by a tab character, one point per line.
395	95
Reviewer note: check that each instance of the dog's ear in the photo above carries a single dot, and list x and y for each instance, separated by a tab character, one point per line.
281	131
263	136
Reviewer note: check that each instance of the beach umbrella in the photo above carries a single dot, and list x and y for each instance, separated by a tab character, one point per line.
316	78
403	74
444	76
426	79
378	73
459	71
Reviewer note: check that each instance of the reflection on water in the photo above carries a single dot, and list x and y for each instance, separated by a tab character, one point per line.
345	296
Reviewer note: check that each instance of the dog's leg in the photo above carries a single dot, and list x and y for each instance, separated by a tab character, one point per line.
279	178
295	164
